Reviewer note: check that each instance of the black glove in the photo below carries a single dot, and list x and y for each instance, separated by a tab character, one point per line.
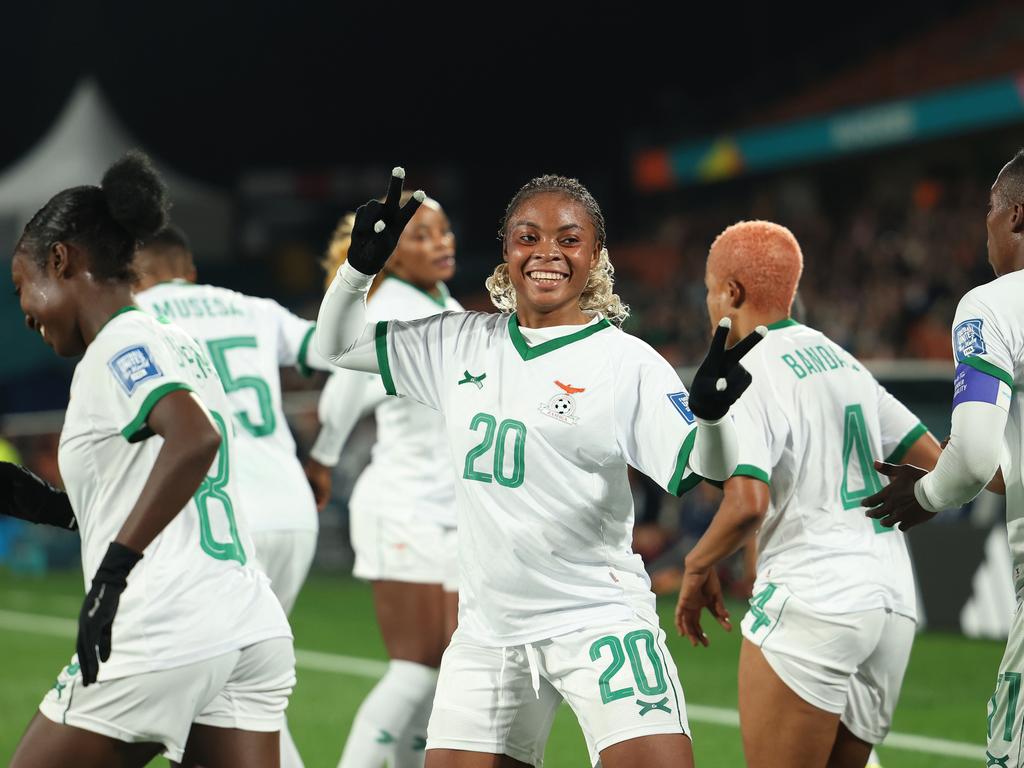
100	607
720	380
27	496
378	226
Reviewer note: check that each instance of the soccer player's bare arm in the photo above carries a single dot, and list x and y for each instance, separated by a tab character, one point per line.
736	523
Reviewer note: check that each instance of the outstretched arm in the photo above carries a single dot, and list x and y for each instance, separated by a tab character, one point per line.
342	335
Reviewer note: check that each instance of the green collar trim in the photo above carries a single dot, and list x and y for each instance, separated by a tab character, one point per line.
441	287
529	353
789	322
121	311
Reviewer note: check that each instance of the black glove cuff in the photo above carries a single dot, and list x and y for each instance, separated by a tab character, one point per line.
117	563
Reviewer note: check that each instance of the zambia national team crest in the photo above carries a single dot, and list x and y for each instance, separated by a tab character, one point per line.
563	405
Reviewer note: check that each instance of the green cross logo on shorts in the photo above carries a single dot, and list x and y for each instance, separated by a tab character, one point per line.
385	737
469	378
648	706
993	760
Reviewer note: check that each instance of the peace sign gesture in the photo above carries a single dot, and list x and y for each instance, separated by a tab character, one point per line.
720	380
379	225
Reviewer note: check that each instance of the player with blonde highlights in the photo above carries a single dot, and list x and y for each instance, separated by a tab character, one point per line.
544	407
831	623
402	508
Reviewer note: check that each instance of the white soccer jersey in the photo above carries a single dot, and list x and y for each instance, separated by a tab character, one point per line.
540	435
194	594
988	337
410	473
811	425
248	340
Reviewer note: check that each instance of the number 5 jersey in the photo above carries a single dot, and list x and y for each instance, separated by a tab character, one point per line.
195	594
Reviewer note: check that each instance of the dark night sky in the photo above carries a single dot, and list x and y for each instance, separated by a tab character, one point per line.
215	88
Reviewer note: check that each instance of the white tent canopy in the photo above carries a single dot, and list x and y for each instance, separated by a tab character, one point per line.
78	148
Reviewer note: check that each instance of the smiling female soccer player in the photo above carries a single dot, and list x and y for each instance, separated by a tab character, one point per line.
182	647
545	405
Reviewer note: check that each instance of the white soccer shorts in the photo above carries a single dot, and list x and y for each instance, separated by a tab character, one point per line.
416	551
851	664
1005	709
619	680
247	689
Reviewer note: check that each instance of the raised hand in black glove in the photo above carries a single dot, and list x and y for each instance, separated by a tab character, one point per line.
720	380
26	496
97	616
378	226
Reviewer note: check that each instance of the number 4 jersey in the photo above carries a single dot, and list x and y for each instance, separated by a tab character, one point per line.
542	424
810	426
194	594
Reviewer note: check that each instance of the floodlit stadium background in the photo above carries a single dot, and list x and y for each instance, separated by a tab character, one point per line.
874	138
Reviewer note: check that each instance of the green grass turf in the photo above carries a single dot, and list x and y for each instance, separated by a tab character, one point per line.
944	696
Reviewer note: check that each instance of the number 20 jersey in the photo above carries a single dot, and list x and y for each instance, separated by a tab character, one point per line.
811	424
541	435
194	595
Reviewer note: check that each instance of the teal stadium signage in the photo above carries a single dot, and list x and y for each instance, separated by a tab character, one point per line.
939	113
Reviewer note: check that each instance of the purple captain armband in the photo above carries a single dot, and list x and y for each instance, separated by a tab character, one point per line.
973	386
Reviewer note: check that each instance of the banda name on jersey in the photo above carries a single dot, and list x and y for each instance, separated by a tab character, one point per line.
817	359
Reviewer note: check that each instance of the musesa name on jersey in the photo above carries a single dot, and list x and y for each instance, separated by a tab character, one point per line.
198	307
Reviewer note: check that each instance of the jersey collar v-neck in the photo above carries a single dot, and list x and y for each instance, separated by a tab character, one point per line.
526	352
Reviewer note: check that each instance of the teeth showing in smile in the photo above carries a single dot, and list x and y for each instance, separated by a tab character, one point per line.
552	276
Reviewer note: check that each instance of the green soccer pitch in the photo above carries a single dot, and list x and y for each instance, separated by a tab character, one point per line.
941	712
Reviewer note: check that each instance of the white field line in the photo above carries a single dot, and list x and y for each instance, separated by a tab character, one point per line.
372	668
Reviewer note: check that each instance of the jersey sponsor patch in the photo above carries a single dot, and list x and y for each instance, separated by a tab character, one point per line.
681	400
973	386
968	340
134	365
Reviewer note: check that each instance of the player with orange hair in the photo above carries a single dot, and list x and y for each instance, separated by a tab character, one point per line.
828	635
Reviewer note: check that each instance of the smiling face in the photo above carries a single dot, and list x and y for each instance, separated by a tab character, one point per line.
550	246
425	254
48	300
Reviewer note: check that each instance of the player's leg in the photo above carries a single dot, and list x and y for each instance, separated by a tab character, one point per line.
873	694
240	723
212	747
413	741
286	557
779	727
47	744
1005	708
492	708
403	561
623	686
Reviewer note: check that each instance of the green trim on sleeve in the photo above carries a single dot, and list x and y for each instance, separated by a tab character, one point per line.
137	430
749	470
904	445
677	486
380	338
992	370
300	362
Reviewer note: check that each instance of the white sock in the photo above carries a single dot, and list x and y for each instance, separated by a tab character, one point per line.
385	715
411	749
289	752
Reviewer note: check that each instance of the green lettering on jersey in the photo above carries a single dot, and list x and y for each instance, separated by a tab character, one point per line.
794	366
807	362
